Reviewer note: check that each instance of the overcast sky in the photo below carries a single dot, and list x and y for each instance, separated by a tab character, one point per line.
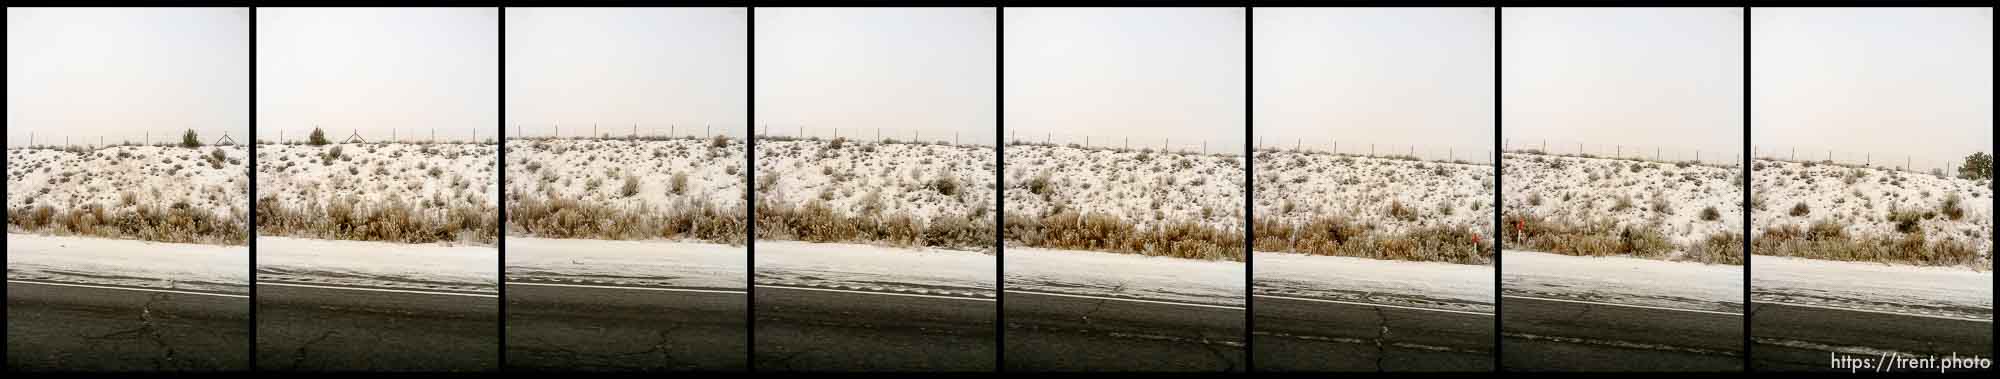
374	69
1891	82
1144	73
922	72
120	73
1670	78
1390	76
667	70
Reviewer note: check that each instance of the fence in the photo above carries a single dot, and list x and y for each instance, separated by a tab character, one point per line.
1183	145
394	135
940	136
161	137
1478	154
1725	157
632	131
1895	161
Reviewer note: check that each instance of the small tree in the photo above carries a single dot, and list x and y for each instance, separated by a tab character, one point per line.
1978	166
190	139
317	138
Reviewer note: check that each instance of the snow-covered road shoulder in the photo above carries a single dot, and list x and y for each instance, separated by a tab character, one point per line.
1124	276
875	268
1622	280
378	264
1436	285
1939	291
216	268
627	263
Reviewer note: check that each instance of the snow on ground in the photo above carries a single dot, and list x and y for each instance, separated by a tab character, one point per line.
566	167
155	175
128	263
1416	284
1863	205
875	268
1139	187
843	177
378	264
1361	188
1941	291
1584	190
1122	275
685	264
1621	280
424	175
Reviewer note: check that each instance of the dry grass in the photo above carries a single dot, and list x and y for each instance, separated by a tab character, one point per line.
394	220
1598	239
1336	236
1827	239
1069	230
815	222
559	217
177	223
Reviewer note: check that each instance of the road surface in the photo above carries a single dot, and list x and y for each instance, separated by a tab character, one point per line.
86	327
820	329
1800	337
1545	334
1304	334
1060	332
570	327
318	327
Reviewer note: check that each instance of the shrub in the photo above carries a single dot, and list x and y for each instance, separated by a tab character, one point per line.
1800	210
1039	185
945	185
1710	214
679	183
190	140
1401	212
1978	166
719	141
1951	208
1624	202
317	138
631	186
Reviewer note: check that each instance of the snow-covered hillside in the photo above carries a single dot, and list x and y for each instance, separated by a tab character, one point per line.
131	192
1142	187
1447	206
865	190
1830	202
1581	205
398	192
627	189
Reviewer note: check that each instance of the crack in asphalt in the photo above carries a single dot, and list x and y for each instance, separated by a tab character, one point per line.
1381	334
147	331
299	355
573	358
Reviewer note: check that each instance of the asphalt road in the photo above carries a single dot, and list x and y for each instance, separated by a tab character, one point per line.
1296	334
1793	337
1052	332
808	329
585	327
1558	335
333	328
70	327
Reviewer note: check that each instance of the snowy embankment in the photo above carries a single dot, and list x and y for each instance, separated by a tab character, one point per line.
1123	276
128	263
152	175
1937	291
1141	187
1864	201
378	264
875	268
857	178
405	192
1622	280
1414	284
1687	203
1297	187
682	264
667	173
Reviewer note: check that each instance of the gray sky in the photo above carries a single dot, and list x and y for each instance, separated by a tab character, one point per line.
120	73
922	71
654	67
1670	78
374	69
1389	76
1144	73
1891	82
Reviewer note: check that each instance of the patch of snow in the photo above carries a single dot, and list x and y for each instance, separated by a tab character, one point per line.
843	177
1864	205
1623	280
646	263
1946	291
378	264
1123	275
1584	190
156	175
297	176
841	265
1416	284
128	262
564	167
1361	188
1141	188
